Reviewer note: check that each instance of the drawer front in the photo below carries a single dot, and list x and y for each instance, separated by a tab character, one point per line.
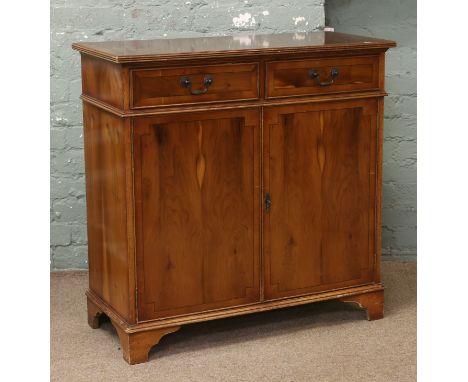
185	85
319	76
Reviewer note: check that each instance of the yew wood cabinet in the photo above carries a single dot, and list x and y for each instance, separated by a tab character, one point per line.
230	175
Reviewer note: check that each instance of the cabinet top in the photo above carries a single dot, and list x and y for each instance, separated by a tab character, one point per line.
228	46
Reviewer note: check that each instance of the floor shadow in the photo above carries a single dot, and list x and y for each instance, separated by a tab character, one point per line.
257	326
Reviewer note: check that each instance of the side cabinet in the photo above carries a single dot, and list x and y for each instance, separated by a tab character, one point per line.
229	176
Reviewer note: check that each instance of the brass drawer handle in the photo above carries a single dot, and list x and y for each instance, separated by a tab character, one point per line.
315	75
186	83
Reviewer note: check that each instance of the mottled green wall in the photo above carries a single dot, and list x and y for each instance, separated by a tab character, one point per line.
395	20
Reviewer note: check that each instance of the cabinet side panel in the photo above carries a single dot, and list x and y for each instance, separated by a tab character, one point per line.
105	163
378	190
102	80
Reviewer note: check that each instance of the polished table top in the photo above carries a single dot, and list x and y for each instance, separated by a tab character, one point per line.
237	45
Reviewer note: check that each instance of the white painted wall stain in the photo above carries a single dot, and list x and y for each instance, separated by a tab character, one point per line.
298	19
184	18
244	20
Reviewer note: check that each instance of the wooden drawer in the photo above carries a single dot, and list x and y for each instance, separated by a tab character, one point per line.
196	84
318	76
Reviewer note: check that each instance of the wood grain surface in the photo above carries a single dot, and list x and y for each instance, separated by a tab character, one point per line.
289	78
320	233
197	211
229	46
177	183
106	202
156	87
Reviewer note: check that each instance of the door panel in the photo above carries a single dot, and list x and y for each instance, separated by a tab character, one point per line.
197	195
320	173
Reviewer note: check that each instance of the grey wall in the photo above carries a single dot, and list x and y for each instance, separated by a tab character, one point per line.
98	20
395	20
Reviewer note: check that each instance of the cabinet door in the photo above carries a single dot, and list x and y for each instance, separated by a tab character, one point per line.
197	211
320	172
